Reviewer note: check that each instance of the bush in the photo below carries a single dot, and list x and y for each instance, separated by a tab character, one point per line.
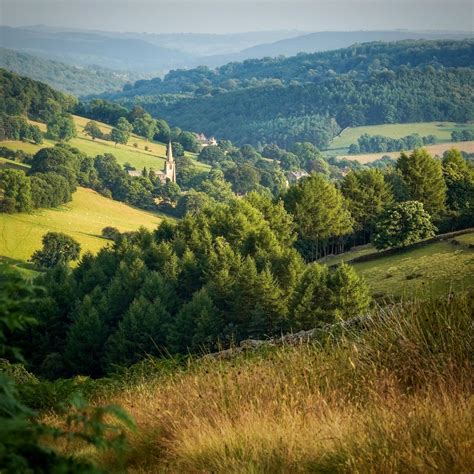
110	233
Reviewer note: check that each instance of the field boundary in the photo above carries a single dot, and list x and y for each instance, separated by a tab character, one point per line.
397	250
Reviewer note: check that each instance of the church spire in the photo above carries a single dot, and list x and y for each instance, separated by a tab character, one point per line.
169	152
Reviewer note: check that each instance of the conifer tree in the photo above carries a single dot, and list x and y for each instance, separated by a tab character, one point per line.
367	195
423	176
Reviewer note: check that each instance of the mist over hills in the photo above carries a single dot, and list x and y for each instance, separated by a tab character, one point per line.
155	54
76	80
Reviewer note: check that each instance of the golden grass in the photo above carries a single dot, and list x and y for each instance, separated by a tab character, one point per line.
395	398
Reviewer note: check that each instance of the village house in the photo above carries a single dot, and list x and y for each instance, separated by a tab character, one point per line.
204	141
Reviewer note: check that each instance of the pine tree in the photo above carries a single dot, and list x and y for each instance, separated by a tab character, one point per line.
350	294
142	331
85	341
423	176
320	213
367	195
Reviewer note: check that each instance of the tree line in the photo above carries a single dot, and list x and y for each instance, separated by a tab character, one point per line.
378	143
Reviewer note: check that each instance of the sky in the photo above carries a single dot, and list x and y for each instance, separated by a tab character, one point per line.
231	16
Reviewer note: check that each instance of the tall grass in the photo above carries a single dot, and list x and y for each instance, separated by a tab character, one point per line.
392	396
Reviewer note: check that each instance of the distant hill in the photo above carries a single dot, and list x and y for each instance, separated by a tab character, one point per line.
309	97
329	40
64	77
87	48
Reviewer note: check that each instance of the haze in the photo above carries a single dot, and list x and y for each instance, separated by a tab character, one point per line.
231	16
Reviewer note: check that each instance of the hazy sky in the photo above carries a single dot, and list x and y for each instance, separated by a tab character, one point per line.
221	16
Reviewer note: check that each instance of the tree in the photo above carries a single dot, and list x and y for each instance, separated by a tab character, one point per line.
367	195
58	249
110	233
93	130
15	191
321	215
211	155
142	331
85	340
322	296
121	132
145	126
61	127
163	131
423	176
403	224
459	178
119	136
178	150
189	141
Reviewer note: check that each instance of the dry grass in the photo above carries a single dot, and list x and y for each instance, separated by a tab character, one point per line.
396	397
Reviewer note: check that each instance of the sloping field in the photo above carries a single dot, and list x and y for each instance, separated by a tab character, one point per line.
441	130
434	150
435	268
136	156
83	219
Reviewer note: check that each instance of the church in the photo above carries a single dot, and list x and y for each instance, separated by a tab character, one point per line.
168	174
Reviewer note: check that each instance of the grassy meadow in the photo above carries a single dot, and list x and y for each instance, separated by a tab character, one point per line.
441	130
435	268
83	219
393	398
136	156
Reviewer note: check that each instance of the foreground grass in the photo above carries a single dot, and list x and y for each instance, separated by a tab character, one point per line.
393	397
441	130
83	219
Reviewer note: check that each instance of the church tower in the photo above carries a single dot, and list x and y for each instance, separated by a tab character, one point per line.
170	165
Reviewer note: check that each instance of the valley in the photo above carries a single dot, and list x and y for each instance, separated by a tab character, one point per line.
235	269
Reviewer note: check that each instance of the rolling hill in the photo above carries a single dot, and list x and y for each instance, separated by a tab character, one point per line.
83	219
434	269
310	97
64	77
328	40
89	48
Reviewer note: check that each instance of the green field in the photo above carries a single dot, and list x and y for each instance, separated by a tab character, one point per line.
82	219
136	156
441	130
436	267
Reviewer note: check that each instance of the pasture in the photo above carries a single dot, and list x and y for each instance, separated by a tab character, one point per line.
83	219
441	130
435	268
137	156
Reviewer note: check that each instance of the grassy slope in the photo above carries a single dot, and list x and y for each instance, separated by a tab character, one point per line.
136	156
394	398
83	219
441	130
436	267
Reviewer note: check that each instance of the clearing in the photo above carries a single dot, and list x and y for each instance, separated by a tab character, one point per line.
441	130
83	219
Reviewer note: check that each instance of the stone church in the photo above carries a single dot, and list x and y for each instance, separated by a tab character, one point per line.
170	166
